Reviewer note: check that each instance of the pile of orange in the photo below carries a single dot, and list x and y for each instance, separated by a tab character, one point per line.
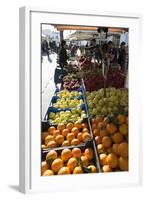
68	161
65	135
111	138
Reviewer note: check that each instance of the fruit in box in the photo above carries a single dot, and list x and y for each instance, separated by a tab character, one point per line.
65	94
68	103
114	101
66	135
73	115
112	146
69	161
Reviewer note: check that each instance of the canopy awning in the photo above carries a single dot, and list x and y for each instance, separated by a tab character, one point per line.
85	28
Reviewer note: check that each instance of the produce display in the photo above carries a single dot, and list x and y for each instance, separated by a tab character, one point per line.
86	123
73	115
116	100
111	137
115	78
68	161
72	134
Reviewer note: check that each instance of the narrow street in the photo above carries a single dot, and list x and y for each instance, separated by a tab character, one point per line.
48	86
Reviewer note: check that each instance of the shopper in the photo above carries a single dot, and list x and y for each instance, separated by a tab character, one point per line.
45	50
63	54
122	56
111	53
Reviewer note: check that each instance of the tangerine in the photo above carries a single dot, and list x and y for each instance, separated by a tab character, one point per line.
65	132
52	144
66	154
72	163
75	142
56	165
70	136
123	149
121	118
63	171
77	170
51	129
117	138
102	158
112	160
44	167
69	126
48	172
111	128
65	143
49	138
93	168
59	139
51	155
106	141
76	152
123	129
79	136
60	127
85	161
89	153
75	131
106	168
86	136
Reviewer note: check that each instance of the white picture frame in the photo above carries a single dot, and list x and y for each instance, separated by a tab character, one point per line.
30	100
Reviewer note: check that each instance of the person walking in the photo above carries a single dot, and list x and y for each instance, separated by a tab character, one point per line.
122	56
63	57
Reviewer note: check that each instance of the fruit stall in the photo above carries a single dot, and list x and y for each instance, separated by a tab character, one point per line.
85	128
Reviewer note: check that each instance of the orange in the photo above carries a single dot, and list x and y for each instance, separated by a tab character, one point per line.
65	143
52	144
112	160
44	167
59	139
86	136
85	161
69	126
51	155
100	148
100	125
84	125
123	149
99	119
70	136
93	168
89	153
66	154
76	152
85	130
79	136
75	142
51	129
78	125
44	135
60	127
103	133
111	128
106	168
98	139
77	170
96	132
115	149
102	158
123	164
121	119
123	129
117	138
64	170
106	141
56	165
65	132
48	172
56	133
94	126
48	139
75	131
72	163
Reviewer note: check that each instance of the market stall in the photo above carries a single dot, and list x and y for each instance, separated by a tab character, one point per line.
85	128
